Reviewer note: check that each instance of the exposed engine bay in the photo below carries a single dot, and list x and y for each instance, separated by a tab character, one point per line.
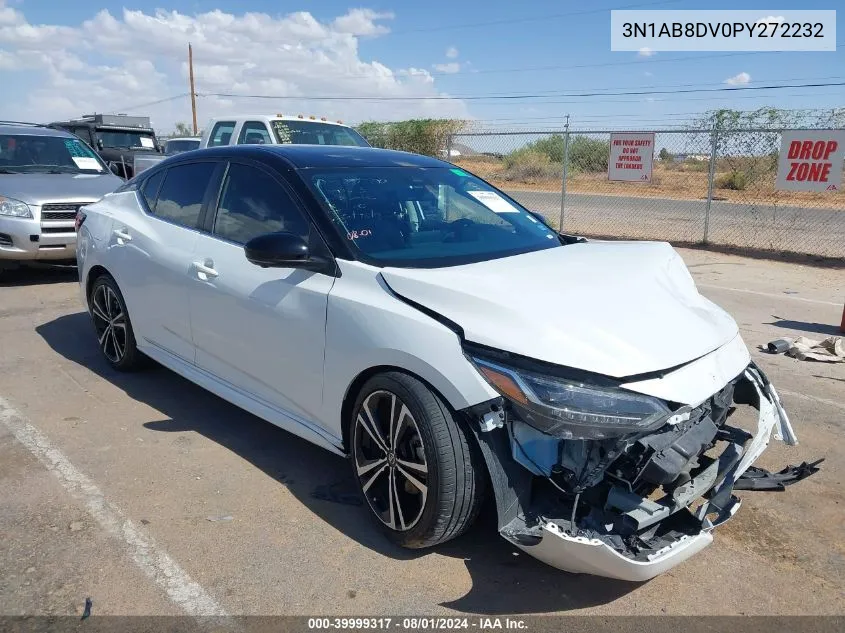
641	498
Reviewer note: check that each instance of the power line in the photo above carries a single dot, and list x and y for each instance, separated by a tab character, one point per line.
151	103
512	97
534	18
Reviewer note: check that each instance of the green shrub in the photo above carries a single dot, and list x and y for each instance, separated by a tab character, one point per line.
735	180
421	136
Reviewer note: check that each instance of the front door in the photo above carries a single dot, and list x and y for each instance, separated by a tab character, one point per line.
262	330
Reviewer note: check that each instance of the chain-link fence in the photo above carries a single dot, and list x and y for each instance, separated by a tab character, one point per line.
707	186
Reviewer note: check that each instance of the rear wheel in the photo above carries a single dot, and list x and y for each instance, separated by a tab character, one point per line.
421	476
112	324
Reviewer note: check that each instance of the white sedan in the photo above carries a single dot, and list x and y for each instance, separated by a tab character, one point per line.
398	310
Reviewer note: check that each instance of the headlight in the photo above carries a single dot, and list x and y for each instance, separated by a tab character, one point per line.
570	409
14	208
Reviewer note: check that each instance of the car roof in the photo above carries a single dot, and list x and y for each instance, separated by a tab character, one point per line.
183	138
277	117
328	156
311	156
32	130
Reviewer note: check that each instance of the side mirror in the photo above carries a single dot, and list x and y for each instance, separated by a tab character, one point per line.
115	169
278	250
539	216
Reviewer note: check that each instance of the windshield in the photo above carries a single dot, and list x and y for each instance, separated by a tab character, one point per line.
126	139
185	145
27	153
316	133
426	217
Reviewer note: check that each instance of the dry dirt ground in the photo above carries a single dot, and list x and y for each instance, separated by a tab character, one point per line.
677	182
108	483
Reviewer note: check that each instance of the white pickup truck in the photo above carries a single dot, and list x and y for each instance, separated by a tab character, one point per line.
264	129
278	130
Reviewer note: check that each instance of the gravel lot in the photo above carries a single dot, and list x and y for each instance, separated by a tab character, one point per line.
108	483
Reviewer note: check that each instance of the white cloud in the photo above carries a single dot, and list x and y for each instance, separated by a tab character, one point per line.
362	22
448	68
110	62
451	52
648	74
738	80
645	51
771	18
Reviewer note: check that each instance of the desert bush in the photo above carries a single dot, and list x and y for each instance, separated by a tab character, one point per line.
528	165
588	154
421	136
735	180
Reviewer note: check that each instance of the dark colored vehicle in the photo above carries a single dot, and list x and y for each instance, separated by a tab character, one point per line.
116	138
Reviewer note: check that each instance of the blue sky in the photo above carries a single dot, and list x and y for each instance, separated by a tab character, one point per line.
491	59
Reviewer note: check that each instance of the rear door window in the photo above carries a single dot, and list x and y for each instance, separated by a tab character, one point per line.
182	192
254	133
221	133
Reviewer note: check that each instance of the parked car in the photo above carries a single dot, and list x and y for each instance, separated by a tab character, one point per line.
400	311
174	146
262	129
45	176
117	138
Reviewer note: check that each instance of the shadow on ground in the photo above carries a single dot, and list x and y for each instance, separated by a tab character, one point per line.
503	581
40	275
826	329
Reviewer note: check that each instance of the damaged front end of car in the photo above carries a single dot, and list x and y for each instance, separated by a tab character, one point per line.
592	477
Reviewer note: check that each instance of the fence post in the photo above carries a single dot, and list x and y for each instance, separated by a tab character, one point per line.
563	184
711	173
449	148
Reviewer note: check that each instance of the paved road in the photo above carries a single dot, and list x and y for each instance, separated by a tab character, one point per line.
108	483
814	231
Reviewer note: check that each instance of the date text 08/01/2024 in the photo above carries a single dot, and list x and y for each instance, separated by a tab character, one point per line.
416	623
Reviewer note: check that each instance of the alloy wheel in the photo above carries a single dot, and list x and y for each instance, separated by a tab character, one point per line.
390	460
110	322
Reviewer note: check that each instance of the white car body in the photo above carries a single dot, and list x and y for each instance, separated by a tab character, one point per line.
289	344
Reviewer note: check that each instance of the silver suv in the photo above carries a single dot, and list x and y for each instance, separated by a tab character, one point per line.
46	175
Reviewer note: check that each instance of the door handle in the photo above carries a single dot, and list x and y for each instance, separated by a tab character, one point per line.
121	234
205	269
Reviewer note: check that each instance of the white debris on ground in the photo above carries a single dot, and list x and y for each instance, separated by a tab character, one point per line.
829	350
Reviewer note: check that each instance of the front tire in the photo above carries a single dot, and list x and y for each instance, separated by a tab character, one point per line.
114	329
421	476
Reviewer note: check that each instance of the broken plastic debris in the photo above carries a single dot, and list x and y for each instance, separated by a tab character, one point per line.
830	350
220	518
88	604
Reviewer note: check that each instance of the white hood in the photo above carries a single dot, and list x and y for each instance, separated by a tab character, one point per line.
613	308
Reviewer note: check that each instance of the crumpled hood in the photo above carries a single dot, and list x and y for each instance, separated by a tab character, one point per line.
613	308
37	189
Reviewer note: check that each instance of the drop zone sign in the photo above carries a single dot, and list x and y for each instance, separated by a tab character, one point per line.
631	156
811	161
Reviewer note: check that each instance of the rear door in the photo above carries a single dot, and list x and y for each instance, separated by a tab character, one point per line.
154	249
261	330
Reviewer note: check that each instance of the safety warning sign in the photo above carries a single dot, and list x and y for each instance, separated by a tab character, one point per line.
631	156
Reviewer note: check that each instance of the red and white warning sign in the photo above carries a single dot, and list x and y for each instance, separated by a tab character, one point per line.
811	161
631	156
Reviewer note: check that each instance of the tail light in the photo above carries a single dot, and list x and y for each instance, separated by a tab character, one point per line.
80	219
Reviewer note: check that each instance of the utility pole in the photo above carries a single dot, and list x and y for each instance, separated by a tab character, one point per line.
193	91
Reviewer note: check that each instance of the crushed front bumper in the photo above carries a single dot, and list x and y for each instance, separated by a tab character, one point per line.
694	508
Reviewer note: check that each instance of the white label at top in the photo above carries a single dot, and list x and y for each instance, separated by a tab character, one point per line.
493	201
648	32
